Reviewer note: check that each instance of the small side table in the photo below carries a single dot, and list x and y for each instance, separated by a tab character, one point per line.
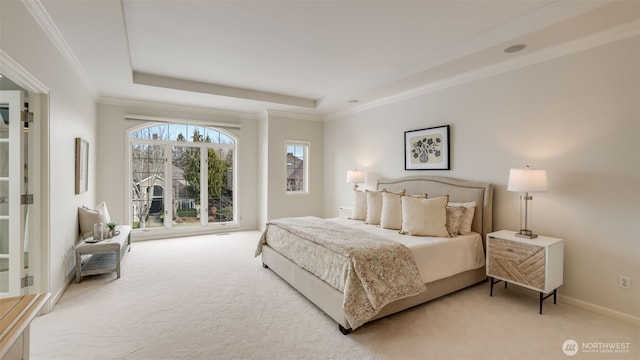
535	264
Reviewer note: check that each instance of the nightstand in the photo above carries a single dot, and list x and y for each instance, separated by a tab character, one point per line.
536	264
345	211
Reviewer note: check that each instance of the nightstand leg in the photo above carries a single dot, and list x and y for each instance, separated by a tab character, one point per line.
541	300
493	282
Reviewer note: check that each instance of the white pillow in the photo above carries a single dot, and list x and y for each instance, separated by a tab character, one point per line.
424	217
391	216
467	220
360	206
374	205
87	217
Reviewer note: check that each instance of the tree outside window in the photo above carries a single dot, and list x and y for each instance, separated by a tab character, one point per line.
181	175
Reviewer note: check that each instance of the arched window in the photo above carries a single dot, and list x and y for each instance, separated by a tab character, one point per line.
182	175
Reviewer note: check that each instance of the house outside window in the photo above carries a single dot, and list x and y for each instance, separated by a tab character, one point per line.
182	175
297	167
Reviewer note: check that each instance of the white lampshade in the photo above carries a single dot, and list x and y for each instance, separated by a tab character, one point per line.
355	176
527	180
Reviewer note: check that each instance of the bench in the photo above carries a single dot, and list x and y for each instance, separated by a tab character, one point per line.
104	256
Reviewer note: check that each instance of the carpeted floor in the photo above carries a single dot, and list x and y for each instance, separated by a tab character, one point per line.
207	297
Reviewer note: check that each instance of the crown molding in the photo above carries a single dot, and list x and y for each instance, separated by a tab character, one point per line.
42	17
219	89
19	75
293	115
602	38
161	106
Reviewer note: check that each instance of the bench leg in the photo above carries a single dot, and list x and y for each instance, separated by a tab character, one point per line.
118	262
78	268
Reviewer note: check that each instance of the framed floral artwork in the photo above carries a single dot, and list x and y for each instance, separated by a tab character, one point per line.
427	149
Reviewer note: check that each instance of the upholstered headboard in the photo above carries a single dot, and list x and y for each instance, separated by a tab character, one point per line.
458	191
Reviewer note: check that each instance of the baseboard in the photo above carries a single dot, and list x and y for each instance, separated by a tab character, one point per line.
51	304
568	300
635	320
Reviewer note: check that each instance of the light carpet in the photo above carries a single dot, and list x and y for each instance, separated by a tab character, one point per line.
207	297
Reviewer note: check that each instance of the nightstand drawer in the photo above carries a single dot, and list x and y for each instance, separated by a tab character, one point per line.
535	263
517	262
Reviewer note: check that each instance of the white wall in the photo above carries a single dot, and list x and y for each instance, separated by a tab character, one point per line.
72	114
576	116
280	127
112	154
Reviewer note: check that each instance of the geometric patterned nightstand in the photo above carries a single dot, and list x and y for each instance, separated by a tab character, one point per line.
536	263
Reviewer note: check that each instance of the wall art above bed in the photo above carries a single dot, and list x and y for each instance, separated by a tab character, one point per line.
427	149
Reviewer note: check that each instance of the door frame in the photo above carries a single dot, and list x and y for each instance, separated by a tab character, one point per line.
39	224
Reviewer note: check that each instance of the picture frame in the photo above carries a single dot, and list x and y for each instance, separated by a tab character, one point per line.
427	149
82	165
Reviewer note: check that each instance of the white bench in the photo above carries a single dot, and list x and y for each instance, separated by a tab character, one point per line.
104	256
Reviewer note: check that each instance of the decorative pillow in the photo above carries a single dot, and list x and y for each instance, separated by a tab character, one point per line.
467	220
455	215
87	217
391	216
424	217
374	205
360	206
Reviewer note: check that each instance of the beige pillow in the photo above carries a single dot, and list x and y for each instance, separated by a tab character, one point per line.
455	215
424	217
467	220
360	206
391	216
87	217
374	205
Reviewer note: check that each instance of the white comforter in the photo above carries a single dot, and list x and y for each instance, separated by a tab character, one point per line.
437	258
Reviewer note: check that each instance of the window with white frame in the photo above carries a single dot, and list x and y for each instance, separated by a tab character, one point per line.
182	175
297	167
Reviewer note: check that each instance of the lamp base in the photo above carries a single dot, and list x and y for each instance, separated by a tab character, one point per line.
528	234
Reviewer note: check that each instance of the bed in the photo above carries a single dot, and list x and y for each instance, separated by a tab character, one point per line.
437	275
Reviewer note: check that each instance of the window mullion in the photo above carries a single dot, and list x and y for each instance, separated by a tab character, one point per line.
204	185
168	186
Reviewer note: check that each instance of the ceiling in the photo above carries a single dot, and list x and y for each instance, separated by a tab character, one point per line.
314	57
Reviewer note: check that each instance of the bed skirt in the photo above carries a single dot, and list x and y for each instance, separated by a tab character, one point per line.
330	300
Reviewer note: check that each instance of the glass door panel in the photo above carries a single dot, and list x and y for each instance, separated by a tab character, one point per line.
220	182
4	199
25	190
11	172
185	185
148	187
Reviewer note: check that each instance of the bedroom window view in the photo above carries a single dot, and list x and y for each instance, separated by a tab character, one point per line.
297	167
197	161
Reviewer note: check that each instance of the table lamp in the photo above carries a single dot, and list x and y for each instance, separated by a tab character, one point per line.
354	177
525	181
